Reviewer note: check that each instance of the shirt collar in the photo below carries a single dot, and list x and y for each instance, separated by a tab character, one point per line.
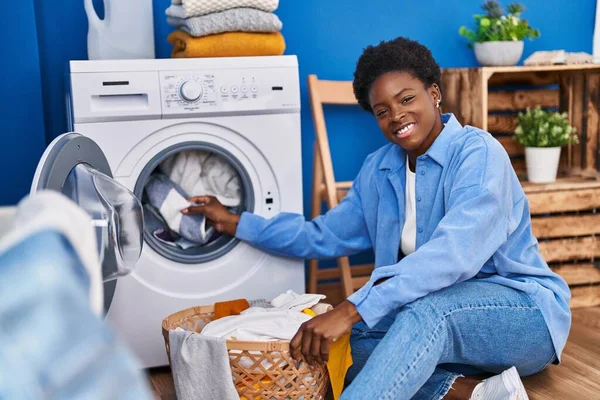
395	157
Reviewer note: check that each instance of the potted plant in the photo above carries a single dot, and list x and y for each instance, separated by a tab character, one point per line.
498	37
543	133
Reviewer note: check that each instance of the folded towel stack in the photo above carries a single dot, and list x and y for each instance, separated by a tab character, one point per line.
225	28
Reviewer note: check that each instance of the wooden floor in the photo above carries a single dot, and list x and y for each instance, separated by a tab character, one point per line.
577	378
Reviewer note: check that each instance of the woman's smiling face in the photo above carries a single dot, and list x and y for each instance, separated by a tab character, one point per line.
406	111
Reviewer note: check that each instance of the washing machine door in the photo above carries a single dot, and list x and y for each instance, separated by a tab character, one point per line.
76	166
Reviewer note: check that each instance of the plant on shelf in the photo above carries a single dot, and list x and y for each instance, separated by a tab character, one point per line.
498	36
543	134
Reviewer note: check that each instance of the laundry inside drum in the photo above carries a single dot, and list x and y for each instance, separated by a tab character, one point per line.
170	180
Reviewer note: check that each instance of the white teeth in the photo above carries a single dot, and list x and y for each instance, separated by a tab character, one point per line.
406	128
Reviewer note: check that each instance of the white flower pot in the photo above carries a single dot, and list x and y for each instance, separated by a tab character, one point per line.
499	53
542	163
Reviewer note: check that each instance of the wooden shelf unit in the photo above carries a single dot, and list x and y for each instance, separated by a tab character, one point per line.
490	97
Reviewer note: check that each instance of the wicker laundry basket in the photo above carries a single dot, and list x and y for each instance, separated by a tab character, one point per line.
260	370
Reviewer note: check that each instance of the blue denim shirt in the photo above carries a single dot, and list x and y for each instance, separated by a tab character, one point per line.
473	222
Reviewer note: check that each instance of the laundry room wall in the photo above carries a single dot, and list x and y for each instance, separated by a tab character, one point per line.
22	122
328	37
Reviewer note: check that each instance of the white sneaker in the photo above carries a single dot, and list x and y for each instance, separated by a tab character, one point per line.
506	386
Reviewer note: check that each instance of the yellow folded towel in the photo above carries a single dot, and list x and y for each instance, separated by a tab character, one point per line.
229	44
340	359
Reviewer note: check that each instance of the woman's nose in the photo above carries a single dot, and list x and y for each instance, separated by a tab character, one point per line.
396	116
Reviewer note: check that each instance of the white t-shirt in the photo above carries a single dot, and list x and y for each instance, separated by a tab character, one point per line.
408	240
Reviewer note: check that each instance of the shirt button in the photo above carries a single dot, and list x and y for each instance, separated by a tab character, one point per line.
419	198
422	172
420	230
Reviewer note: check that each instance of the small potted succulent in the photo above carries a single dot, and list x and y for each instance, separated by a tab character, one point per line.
543	134
498	36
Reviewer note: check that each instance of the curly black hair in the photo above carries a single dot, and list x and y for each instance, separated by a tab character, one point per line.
400	54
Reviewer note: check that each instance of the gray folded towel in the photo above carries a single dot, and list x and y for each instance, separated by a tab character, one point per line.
200	366
233	20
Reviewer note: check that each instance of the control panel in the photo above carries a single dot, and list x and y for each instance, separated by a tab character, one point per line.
204	92
186	88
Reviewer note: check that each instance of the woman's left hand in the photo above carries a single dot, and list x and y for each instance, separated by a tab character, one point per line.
314	338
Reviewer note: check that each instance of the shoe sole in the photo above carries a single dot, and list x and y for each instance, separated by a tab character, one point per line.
513	383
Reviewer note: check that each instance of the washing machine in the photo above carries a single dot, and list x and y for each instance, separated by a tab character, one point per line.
131	115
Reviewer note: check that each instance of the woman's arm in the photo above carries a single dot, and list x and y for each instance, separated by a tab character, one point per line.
342	231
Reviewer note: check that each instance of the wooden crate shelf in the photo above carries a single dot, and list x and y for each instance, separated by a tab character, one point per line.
490	97
567	226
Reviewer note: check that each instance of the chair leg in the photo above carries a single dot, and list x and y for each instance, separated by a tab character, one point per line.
344	265
315	212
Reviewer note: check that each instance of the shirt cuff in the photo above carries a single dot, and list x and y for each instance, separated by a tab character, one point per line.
369	303
248	227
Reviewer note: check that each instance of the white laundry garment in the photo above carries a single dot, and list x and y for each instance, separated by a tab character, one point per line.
293	301
195	8
203	173
49	210
258	326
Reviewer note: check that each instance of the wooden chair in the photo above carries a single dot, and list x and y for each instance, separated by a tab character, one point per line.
325	187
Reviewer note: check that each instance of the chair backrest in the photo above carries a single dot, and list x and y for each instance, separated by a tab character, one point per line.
327	92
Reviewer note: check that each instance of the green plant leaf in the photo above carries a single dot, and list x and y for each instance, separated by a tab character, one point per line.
539	128
495	25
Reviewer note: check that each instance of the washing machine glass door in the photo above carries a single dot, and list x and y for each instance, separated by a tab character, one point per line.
75	166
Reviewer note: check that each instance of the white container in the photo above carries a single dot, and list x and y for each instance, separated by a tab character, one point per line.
499	53
126	32
542	163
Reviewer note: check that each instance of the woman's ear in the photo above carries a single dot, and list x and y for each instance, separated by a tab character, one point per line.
436	93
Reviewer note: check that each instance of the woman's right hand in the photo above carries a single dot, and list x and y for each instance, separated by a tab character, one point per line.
209	206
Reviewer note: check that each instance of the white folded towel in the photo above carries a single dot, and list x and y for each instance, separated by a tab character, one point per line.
195	8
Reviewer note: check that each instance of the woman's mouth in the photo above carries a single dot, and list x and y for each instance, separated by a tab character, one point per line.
405	131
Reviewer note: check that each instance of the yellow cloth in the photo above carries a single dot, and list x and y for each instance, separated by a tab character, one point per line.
228	44
340	359
310	312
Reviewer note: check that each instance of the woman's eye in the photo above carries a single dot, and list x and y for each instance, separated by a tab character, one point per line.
407	99
380	113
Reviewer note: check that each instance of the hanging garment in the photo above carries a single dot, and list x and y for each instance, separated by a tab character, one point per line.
200	366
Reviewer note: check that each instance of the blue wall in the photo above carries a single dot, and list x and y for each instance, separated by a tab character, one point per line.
22	125
328	36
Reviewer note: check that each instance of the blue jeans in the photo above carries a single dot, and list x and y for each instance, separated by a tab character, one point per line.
51	344
471	327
